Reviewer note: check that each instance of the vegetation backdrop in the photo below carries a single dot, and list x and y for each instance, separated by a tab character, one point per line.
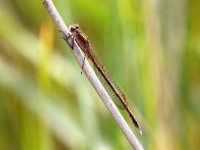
151	48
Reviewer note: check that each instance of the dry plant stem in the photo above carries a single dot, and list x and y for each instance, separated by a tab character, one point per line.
92	76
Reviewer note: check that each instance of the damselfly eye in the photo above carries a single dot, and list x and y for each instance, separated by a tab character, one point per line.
72	29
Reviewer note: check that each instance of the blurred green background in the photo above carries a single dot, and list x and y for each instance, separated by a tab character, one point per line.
151	48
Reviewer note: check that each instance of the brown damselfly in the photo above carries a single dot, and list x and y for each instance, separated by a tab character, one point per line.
112	88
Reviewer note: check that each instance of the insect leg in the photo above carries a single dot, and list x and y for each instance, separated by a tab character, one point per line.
69	36
73	39
63	34
83	63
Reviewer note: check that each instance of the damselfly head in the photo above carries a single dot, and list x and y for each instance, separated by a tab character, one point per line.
74	27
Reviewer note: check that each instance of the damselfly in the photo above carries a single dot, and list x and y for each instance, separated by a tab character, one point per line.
112	88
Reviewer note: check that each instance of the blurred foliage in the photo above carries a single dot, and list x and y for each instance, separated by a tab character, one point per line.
152	48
